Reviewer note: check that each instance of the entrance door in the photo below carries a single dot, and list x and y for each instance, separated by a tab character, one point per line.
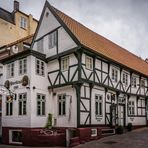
121	114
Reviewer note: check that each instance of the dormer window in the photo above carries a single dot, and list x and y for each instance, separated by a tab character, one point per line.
23	22
52	39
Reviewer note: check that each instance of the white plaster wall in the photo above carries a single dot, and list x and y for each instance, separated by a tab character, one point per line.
54	65
137	120
65	121
100	119
16	120
65	42
48	24
41	84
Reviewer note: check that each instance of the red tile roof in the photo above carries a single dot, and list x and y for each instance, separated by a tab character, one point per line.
103	46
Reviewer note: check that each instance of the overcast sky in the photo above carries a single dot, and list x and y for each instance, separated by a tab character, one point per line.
124	22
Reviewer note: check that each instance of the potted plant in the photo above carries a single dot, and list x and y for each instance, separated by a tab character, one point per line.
119	129
129	127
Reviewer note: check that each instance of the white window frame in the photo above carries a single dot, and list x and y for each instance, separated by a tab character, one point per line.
23	22
10	70
98	103
42	103
62	101
23	100
52	39
89	62
125	78
9	107
40	45
131	108
134	81
10	136
65	63
114	74
40	67
22	66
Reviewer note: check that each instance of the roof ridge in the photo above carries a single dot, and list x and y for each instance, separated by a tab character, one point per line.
5	10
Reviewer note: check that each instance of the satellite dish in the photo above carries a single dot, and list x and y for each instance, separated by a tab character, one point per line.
15	49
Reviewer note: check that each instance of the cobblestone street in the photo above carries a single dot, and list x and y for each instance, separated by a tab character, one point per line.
135	139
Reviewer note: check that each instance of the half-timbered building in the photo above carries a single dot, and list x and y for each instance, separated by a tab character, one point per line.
79	77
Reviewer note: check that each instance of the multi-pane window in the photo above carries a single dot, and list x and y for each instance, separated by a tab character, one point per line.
40	67
10	70
131	107
9	106
114	74
41	104
52	39
125	78
64	63
23	66
99	105
22	103
133	82
89	62
23	22
62	105
40	45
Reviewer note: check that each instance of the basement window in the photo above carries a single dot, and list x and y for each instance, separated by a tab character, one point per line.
15	136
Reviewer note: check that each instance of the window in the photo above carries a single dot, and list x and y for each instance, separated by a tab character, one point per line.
40	45
9	105
23	22
64	63
15	136
131	107
62	104
52	39
22	101
114	74
125	78
39	67
41	104
133	82
89	62
10	70
142	83
23	66
98	105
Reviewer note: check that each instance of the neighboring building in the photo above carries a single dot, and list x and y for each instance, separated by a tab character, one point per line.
15	25
78	76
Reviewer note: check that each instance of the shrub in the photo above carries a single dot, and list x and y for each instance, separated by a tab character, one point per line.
119	129
129	127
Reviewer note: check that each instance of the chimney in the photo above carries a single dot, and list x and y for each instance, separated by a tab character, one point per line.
16	5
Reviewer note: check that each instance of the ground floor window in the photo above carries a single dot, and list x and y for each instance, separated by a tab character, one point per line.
98	105
62	104
131	107
9	105
41	104
22	101
15	136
